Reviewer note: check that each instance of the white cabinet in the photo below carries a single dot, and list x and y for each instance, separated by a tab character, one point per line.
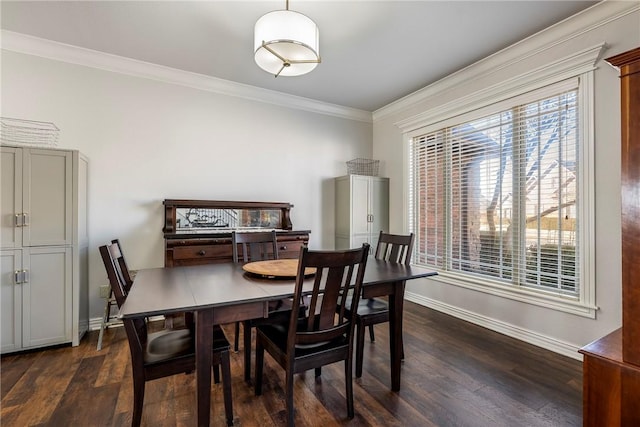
44	240
36	298
362	210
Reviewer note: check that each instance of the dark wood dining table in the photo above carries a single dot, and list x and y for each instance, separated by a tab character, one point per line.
225	293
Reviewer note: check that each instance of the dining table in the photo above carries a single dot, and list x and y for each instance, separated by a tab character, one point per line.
226	293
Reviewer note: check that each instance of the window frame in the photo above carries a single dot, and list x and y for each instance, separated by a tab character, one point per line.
577	69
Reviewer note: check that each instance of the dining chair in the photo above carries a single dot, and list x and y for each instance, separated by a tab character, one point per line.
110	304
119	287
325	334
127	276
163	353
257	246
169	352
394	248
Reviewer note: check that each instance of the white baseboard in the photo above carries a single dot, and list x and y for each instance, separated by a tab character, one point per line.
510	330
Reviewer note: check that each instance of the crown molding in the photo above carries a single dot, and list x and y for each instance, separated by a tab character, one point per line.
568	29
29	45
573	65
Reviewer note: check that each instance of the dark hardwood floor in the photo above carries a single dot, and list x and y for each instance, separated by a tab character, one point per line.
455	374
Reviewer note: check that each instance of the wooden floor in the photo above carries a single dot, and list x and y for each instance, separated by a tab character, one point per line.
455	374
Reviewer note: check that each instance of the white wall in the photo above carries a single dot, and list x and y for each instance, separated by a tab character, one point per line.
617	24
147	141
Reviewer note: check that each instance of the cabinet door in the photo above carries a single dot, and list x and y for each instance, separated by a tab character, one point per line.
360	207
11	197
11	300
46	317
47	200
378	207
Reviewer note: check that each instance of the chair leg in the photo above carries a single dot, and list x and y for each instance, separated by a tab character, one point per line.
246	328
371	334
138	401
289	399
105	319
257	383
360	329
216	374
348	379
236	340
102	328
225	364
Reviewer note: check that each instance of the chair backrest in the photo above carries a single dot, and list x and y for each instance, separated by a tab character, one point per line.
124	268
395	248
136	329
110	255
337	272
256	246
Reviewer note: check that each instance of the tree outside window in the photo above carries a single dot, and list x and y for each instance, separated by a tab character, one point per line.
496	197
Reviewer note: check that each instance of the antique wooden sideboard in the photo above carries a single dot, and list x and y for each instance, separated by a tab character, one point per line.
199	231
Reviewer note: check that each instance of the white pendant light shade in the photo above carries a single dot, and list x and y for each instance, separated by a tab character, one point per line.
286	43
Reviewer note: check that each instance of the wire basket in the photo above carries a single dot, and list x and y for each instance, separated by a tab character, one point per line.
19	131
363	167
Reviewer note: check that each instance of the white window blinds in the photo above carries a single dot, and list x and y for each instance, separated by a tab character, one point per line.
495	196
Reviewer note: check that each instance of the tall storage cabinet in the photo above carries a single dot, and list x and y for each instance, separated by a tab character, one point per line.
44	240
362	210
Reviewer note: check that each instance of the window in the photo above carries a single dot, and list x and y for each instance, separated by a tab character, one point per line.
498	197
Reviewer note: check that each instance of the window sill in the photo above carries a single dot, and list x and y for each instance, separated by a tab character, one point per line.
571	305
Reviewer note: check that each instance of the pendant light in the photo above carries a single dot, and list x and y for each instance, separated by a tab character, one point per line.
286	43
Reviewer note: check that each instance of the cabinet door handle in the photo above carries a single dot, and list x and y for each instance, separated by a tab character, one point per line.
202	253
25	219
283	247
19	220
21	276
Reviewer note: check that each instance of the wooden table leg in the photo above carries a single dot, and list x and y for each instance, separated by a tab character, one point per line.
396	305
204	344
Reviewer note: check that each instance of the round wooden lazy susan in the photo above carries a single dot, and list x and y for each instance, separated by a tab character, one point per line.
276	268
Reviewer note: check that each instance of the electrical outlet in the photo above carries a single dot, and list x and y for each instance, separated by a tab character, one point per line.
105	290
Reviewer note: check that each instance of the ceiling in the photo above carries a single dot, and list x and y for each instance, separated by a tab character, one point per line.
373	52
